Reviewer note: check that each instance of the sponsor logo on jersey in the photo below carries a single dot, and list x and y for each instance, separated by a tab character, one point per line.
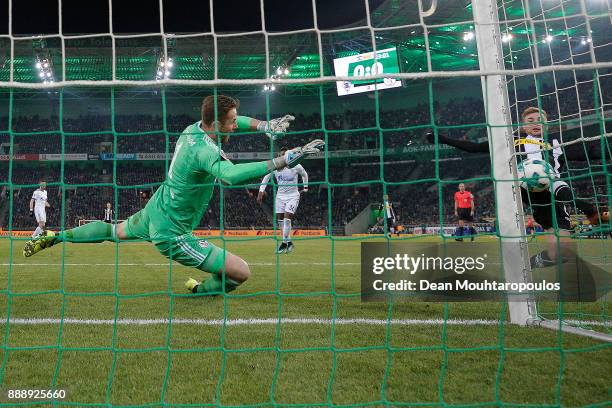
203	244
286	177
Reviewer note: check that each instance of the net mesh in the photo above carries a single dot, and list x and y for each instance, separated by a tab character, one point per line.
575	100
111	324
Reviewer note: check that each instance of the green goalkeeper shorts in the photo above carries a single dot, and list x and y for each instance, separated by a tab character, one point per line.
186	249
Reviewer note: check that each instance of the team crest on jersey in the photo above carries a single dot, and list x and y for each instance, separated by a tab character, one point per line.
203	244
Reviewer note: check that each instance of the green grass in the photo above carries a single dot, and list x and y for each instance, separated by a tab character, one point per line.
273	364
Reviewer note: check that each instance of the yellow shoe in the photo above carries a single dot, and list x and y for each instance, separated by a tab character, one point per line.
37	244
191	284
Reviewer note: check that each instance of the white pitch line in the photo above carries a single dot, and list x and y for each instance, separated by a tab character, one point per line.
166	264
272	321
247	322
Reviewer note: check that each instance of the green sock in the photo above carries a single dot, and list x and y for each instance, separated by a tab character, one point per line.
97	231
214	285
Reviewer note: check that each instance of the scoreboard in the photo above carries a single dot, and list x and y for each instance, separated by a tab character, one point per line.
362	66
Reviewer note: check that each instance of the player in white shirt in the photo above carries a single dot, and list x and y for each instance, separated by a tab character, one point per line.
287	199
38	205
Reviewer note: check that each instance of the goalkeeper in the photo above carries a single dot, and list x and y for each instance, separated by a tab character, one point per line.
179	203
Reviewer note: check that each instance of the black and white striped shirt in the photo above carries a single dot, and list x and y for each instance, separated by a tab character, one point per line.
534	147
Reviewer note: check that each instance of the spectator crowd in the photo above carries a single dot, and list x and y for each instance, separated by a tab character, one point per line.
420	187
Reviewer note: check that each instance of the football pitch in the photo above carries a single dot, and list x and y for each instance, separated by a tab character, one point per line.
113	324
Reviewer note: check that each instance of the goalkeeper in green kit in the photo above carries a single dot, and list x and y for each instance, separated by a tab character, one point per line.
176	208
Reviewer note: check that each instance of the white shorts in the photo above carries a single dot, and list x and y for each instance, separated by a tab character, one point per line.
287	204
40	214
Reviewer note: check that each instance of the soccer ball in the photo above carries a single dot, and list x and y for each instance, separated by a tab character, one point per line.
535	175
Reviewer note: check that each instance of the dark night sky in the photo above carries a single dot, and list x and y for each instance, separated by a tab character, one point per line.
137	16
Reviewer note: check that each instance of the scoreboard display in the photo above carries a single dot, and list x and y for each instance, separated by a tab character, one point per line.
363	66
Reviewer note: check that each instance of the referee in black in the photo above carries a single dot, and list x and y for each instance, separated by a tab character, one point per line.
386	209
108	213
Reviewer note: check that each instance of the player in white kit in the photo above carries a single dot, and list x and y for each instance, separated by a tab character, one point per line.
38	205
287	199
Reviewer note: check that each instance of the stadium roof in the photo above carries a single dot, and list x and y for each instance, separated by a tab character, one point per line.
243	57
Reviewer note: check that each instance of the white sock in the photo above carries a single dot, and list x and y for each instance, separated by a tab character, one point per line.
286	230
37	231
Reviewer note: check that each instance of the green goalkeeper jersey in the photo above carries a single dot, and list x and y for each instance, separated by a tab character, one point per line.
179	203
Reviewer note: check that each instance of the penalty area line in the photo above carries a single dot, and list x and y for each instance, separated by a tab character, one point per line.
273	321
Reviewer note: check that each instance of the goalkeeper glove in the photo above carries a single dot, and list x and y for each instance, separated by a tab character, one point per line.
293	157
275	128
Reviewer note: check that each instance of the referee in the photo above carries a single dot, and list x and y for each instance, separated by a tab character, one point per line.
108	213
464	211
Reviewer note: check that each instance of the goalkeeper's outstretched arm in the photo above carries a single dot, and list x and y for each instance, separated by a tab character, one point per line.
273	128
233	174
247	123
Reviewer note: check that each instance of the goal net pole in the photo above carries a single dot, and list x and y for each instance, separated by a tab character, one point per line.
510	220
503	162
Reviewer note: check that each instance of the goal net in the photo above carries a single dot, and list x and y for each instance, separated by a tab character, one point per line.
394	94
575	99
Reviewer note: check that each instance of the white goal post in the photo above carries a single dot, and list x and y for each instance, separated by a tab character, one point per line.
515	255
503	163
